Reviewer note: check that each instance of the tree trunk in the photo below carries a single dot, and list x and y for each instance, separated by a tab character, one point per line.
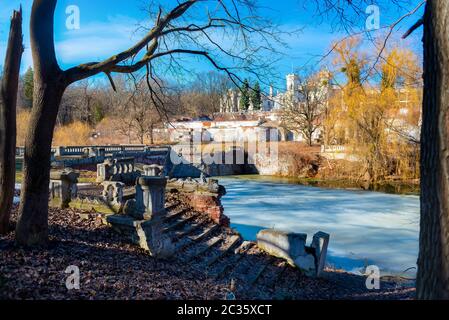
433	261
152	134
49	87
8	102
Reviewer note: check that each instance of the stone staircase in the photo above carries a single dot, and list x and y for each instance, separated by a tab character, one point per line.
222	255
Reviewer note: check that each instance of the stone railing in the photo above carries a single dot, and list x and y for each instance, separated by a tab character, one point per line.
67	151
119	170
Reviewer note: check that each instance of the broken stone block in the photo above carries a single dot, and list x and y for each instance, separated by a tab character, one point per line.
64	186
284	245
147	234
306	264
125	225
152	239
113	192
320	243
210	204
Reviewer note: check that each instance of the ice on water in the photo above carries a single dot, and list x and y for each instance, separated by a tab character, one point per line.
367	228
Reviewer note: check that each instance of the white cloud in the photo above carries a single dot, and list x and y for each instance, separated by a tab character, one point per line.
97	40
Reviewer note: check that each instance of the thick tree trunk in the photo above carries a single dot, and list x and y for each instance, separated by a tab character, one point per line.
433	261
49	87
8	101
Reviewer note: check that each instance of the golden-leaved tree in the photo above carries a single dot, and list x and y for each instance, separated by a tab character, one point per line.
381	122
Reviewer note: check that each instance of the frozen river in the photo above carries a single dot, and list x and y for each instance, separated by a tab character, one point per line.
367	228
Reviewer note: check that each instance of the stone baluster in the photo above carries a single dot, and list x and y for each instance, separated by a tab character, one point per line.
153	170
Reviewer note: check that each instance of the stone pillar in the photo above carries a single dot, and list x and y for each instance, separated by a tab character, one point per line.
150	233
101	152
63	185
104	171
153	195
59	151
320	243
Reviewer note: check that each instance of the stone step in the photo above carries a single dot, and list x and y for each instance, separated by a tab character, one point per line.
273	273
201	248
223	250
255	275
193	239
172	206
189	229
176	214
211	229
220	269
249	268
179	223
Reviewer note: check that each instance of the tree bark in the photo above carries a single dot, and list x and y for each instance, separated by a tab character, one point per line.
49	87
433	261
8	103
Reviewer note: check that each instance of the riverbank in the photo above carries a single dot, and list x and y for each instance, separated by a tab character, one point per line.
300	164
390	187
112	269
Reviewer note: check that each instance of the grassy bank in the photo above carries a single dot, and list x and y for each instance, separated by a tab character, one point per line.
391	187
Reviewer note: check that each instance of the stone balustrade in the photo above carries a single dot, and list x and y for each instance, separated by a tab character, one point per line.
98	151
122	170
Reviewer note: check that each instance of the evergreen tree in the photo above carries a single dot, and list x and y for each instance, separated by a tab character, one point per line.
256	97
245	98
98	113
28	86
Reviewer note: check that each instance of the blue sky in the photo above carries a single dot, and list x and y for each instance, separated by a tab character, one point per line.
108	26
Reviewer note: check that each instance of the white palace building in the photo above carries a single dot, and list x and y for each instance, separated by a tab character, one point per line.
230	103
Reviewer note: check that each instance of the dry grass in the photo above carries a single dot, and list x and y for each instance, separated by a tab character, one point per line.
23	117
74	134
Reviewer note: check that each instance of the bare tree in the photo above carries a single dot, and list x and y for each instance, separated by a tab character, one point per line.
202	96
8	101
175	32
139	115
303	113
